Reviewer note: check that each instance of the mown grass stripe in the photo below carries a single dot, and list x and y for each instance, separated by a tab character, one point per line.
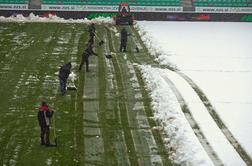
81	75
148	109
112	111
79	105
123	107
94	141
142	136
107	130
143	144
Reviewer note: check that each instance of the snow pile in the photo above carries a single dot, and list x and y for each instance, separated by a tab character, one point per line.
154	47
54	19
179	137
72	76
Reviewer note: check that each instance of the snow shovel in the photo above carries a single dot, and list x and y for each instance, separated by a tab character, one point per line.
108	56
54	133
71	86
137	49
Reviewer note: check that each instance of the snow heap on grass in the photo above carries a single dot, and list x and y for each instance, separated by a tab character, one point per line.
179	137
54	19
72	77
154	47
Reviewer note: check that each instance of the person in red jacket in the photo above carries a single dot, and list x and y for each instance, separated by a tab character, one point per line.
44	117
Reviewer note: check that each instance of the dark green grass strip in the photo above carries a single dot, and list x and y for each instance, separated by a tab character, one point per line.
79	149
113	125
147	103
108	130
123	108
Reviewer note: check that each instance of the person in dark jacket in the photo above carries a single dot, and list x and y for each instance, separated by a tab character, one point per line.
124	38
90	41
87	52
64	72
91	27
91	30
91	35
44	118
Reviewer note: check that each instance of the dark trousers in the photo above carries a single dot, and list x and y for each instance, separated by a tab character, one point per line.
63	86
44	135
123	46
82	62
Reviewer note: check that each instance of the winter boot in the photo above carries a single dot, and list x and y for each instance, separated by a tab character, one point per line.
42	142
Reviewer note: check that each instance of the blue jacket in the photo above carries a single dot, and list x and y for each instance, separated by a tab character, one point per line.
65	71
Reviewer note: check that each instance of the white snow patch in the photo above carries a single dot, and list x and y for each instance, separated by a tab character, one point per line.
34	18
72	76
49	161
183	144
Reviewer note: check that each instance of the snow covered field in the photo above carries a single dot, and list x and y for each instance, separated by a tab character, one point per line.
218	58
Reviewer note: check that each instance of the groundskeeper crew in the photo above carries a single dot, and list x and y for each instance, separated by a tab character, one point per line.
44	112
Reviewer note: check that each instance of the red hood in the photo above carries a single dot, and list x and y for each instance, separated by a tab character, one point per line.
44	108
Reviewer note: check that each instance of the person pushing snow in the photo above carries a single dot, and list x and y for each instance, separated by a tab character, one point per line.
64	72
87	52
44	118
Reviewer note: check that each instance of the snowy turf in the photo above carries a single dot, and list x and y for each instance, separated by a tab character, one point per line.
217	56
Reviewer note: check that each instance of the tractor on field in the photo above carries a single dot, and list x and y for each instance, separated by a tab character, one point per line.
124	17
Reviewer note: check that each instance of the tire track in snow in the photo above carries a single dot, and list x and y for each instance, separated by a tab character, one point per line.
217	119
243	154
202	139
